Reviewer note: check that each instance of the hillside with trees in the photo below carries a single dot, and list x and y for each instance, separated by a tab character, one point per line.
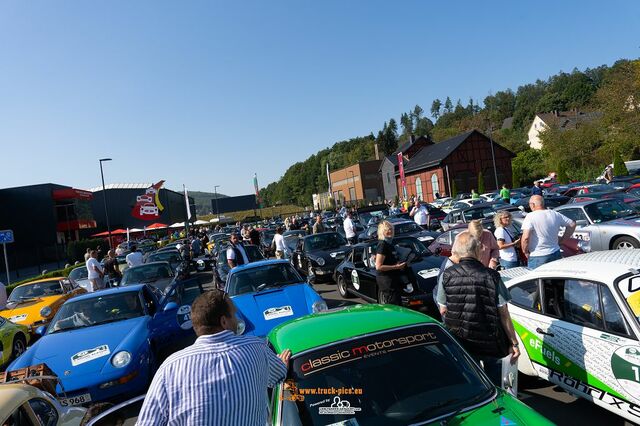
576	154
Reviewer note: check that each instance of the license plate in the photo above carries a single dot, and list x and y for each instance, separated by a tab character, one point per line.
75	400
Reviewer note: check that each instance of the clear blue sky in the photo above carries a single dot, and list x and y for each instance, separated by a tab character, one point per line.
206	93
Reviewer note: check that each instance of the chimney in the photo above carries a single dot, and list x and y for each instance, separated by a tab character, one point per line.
375	147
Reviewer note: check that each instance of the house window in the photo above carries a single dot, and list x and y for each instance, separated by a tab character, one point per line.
435	186
419	188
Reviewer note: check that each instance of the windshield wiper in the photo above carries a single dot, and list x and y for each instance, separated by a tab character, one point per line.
75	327
108	321
270	285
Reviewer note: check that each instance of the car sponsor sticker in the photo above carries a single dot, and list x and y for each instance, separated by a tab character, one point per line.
355	279
183	316
625	364
282	311
18	318
90	355
631	291
429	273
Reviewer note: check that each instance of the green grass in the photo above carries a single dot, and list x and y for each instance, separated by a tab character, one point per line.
265	212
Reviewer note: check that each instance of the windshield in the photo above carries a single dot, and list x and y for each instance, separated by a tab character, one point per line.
608	210
405	228
377	387
33	291
97	310
256	279
79	274
324	241
146	274
253	253
165	256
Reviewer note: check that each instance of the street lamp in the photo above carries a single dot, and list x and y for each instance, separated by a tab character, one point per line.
353	182
215	190
104	195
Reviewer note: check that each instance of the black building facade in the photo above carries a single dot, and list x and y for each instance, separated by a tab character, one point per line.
234	204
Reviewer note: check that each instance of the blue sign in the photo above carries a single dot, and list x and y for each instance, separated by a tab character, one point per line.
6	236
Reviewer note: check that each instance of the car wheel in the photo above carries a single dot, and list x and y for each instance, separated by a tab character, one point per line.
342	288
19	346
624	243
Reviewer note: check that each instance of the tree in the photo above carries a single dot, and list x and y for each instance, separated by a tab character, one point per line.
480	183
454	189
407	124
619	168
561	174
448	106
435	108
417	113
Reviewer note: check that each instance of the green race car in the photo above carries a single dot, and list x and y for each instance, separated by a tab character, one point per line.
384	365
13	340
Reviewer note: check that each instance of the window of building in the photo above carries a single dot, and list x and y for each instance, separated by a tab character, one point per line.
435	186
419	189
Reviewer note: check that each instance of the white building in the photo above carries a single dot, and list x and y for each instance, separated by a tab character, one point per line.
563	119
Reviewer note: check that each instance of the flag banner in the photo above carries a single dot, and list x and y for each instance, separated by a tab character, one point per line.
148	205
257	190
403	181
186	202
329	180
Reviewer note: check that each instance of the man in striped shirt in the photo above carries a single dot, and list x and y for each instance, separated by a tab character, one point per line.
221	379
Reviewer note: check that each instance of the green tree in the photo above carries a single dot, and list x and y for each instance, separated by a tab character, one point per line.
561	174
481	189
435	108
416	114
406	122
619	168
448	106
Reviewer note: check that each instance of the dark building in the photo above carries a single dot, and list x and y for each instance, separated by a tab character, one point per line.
44	218
122	198
234	204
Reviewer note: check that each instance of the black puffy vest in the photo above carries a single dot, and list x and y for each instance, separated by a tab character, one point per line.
239	258
472	313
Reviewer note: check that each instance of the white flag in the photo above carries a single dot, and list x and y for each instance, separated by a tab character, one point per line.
329	180
186	201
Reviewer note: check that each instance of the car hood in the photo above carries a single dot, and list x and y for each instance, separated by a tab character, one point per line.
423	234
330	255
426	271
264	310
29	310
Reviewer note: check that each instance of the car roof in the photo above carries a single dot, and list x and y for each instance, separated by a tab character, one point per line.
156	262
42	280
337	325
258	264
129	288
320	233
585	203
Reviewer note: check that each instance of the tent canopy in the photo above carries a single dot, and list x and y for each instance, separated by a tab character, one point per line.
177	225
157	225
200	222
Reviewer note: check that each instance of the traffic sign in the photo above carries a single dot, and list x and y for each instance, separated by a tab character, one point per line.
6	236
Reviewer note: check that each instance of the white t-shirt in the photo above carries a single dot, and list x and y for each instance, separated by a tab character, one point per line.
134	259
421	216
91	263
508	254
544	226
279	242
231	254
349	229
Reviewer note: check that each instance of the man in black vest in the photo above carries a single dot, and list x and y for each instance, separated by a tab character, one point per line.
235	253
476	310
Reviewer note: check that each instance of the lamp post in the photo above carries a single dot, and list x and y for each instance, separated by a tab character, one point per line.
353	183
104	195
215	190
493	157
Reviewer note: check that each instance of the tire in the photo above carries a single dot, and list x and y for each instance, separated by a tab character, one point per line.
623	243
19	346
342	288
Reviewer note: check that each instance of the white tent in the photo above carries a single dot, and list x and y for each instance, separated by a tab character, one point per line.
177	225
136	230
200	222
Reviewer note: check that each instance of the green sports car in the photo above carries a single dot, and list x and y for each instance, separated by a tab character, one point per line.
384	365
13	340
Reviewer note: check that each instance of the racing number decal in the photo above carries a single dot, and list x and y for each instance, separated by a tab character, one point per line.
355	279
625	364
183	316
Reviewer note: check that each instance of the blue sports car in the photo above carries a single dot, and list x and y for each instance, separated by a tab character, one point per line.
106	345
268	293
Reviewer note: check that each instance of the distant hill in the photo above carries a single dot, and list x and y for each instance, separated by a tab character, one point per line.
203	201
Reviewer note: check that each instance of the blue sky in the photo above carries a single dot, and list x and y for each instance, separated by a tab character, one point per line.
206	93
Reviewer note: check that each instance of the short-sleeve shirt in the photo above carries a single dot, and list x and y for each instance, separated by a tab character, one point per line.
134	258
544	226
386	249
508	254
91	264
231	254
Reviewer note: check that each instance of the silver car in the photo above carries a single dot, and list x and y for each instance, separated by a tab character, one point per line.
607	224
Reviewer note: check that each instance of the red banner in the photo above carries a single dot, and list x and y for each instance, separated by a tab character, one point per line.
148	206
403	181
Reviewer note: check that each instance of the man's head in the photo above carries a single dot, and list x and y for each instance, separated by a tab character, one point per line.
536	202
504	186
93	253
466	245
134	248
111	253
536	183
318	219
234	239
213	312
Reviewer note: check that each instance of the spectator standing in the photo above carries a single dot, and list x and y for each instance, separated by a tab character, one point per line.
254	236
505	194
318	227
476	310
420	214
236	255
287	223
196	247
111	267
394	210
3	296
135	257
95	271
474	195
389	270
349	229
536	190
100	253
506	237
489	250
242	369
87	254
540	230
278	242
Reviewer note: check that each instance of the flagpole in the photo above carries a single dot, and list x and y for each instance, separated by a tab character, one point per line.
255	184
186	211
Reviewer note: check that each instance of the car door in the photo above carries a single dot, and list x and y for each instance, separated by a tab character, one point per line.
367	272
350	270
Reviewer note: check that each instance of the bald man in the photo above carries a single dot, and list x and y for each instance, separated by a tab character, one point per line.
540	230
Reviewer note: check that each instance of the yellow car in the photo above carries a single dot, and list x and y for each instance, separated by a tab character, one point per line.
14	339
21	404
35	303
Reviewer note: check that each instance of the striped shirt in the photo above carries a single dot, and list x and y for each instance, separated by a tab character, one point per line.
221	379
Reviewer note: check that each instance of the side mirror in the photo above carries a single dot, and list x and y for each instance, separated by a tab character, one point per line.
581	222
170	306
41	330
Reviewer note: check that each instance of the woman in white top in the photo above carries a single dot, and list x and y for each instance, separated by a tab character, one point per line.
278	242
505	234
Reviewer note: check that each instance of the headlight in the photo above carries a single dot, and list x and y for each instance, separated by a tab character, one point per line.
319	261
121	359
585	246
45	312
319	306
241	326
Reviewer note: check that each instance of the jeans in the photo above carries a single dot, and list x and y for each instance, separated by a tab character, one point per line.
536	261
508	264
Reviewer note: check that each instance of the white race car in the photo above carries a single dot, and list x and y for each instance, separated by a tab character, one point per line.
578	322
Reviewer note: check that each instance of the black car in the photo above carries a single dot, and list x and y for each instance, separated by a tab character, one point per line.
479	211
158	274
172	256
266	238
401	228
221	267
356	275
318	255
550	202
